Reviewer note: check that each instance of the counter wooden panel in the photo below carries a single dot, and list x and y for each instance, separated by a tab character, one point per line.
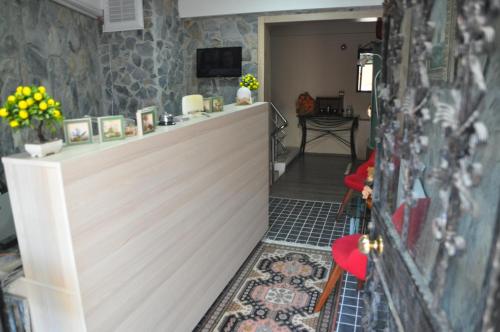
143	234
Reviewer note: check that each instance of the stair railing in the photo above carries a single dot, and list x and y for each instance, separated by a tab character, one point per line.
279	123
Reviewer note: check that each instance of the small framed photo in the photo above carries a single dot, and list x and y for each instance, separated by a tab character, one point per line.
207	105
146	120
151	108
130	127
217	104
78	131
111	128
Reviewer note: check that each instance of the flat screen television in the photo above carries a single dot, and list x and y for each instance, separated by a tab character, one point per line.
218	62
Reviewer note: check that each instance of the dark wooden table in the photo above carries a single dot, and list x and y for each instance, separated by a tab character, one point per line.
329	124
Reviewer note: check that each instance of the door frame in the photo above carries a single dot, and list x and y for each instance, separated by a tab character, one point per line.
264	37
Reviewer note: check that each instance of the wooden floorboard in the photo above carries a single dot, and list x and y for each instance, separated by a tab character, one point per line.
313	176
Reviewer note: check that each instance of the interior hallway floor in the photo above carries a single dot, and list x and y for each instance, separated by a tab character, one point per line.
313	176
314	186
314	223
302	211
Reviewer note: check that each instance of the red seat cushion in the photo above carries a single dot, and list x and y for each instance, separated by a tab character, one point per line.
346	254
362	170
355	182
371	160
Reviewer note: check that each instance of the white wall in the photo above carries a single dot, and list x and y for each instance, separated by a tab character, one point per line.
307	57
196	8
92	8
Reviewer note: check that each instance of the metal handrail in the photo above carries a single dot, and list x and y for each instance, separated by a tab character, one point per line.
283	120
275	139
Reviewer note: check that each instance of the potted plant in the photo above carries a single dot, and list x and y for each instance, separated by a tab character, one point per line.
31	107
248	83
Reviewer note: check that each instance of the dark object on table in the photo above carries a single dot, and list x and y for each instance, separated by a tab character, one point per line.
166	119
329	105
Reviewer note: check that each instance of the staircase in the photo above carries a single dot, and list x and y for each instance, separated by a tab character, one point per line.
280	154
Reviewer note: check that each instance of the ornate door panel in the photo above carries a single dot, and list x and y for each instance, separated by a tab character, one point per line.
436	194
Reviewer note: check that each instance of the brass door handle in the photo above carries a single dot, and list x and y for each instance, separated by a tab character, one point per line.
365	245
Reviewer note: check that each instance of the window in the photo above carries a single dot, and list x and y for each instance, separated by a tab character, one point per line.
365	71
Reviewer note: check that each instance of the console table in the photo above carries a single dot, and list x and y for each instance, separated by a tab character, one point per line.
329	124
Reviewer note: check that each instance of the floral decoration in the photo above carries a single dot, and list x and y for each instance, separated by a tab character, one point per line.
31	106
249	81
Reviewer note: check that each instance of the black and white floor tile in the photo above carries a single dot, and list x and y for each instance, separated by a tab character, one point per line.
351	306
306	222
314	223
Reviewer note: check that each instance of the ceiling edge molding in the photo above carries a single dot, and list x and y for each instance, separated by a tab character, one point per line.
81	7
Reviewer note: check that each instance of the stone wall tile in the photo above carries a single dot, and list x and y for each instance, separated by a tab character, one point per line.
153	62
42	42
224	31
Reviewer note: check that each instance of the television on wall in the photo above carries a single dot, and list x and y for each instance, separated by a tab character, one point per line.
218	62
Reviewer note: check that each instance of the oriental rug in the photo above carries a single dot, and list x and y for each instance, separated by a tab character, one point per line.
275	291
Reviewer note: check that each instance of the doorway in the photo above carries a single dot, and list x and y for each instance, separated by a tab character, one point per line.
317	54
305	204
318	59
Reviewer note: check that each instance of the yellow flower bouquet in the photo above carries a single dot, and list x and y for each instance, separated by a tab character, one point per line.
249	81
31	106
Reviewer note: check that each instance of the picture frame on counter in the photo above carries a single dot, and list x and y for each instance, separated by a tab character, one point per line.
130	127
213	104
207	105
217	104
146	120
111	128
78	131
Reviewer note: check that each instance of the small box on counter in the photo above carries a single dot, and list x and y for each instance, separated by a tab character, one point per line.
213	104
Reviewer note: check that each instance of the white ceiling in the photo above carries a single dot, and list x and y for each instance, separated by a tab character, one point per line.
196	8
92	8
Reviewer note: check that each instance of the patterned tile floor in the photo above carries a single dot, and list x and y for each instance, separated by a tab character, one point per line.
313	223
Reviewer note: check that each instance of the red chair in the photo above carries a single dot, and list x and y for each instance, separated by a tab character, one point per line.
347	257
356	181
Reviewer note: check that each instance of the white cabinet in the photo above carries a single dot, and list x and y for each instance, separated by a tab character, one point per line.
141	234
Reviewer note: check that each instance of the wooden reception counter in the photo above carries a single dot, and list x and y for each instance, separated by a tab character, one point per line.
141	234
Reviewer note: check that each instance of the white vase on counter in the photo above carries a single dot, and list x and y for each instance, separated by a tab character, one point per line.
26	138
43	149
244	96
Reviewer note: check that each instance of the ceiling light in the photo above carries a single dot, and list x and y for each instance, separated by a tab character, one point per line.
367	19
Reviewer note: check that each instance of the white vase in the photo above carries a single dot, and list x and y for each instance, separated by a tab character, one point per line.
244	96
44	149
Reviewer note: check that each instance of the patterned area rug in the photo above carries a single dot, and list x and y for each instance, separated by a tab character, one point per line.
275	291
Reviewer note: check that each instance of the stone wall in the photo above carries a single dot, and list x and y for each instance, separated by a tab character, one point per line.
226	31
223	31
145	67
42	42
